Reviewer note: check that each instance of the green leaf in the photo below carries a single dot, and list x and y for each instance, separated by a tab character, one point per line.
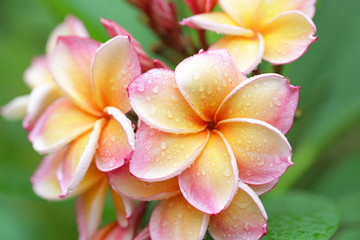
299	216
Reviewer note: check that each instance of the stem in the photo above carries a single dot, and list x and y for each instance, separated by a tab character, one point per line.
202	39
278	68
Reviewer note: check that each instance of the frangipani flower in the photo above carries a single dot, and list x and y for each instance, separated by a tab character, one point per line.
38	78
201	6
278	31
90	119
210	126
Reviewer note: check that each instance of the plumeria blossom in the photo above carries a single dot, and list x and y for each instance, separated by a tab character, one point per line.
279	31
201	6
210	126
38	78
90	119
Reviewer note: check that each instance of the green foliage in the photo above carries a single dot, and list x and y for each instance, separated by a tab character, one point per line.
299	216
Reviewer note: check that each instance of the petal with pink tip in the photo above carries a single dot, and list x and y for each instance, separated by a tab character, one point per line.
16	108
206	79
245	218
268	10
89	208
287	37
156	99
246	52
44	180
126	184
266	97
38	73
211	182
78	159
115	29
124	208
113	231
58	125
176	219
70	26
160	156
115	65
113	147
40	98
264	188
70	65
242	11
218	22
262	152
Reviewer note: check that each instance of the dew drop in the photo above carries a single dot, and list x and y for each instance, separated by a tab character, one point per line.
169	114
248	172
196	75
226	172
140	87
261	162
203	172
155	89
163	145
201	87
244	204
152	110
276	101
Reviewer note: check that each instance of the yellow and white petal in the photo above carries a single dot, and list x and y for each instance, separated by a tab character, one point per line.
157	101
242	11
16	109
262	152
206	79
247	53
70	65
176	219
245	218
78	159
113	147
287	37
267	97
218	22
38	73
114	29
44	180
124	208
58	125
89	208
40	98
70	26
263	188
124	183
160	156
270	9
115	65
211	182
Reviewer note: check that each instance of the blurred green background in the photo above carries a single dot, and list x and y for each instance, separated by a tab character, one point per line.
325	140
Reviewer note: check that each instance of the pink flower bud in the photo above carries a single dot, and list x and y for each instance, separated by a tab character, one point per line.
201	6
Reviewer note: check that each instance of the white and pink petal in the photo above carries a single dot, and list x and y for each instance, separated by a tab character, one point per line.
262	152
160	155
176	219
211	182
266	97
245	218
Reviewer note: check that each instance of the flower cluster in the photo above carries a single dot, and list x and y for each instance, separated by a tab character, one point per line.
204	140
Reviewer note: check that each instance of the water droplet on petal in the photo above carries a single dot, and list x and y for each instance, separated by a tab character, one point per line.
196	75
163	145
140	87
226	172
155	89
169	114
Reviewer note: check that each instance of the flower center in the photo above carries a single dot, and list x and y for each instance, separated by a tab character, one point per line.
211	125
